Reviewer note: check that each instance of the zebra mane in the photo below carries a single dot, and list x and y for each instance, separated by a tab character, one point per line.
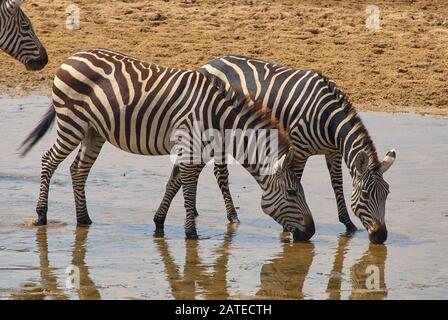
354	119
250	108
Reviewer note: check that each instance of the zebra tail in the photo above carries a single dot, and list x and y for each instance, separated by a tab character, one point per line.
45	123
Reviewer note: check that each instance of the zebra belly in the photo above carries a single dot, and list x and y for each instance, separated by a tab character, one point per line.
137	143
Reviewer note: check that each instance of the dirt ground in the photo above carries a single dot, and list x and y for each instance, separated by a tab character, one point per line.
402	67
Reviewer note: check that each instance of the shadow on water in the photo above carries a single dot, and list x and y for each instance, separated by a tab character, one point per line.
48	285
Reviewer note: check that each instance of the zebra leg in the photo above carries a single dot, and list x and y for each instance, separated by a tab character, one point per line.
50	162
334	161
87	155
189	174
222	176
172	187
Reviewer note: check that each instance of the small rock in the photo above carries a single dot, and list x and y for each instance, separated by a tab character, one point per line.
380	45
401	70
158	17
313	31
378	51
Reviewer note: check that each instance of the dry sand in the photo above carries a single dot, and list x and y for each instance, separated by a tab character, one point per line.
402	67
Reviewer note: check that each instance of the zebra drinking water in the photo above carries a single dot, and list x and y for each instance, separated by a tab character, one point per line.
101	95
319	119
17	37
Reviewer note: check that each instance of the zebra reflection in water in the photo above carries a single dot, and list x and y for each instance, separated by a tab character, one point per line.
196	279
48	287
283	277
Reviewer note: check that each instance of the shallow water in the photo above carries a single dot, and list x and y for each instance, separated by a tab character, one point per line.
119	257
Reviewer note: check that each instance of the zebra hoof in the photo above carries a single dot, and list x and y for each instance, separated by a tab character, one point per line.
160	226
84	222
159	232
191	235
234	220
196	213
40	222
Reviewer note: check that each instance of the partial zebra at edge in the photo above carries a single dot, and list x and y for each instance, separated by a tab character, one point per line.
17	36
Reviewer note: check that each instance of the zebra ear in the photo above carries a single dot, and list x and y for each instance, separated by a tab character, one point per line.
286	160
289	158
15	3
362	162
388	161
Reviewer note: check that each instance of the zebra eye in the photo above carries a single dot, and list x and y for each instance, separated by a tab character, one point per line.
291	192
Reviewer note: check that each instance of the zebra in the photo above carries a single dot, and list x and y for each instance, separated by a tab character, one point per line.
102	95
319	119
17	37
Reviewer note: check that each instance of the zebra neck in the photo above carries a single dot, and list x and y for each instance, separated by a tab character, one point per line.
261	178
263	170
351	136
352	143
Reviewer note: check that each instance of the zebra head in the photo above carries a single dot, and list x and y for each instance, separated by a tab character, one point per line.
283	199
369	195
17	37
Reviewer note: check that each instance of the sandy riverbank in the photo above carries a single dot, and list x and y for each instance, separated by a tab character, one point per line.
402	67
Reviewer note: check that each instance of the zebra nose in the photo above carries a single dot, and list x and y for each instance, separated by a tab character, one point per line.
40	62
379	235
309	231
43	56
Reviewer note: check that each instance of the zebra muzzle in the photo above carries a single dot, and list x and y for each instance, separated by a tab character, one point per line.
39	63
307	233
379	235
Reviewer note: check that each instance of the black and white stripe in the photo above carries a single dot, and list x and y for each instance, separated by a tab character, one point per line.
17	37
101	95
319	120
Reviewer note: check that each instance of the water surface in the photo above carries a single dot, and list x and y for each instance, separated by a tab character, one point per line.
119	257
